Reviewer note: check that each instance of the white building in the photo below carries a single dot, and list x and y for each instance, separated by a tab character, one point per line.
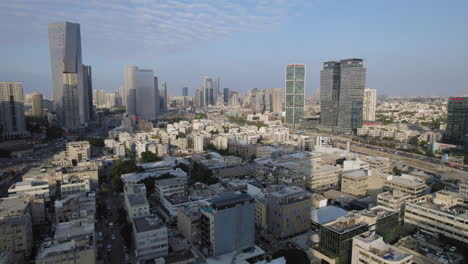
369	105
370	248
150	238
198	143
78	150
136	203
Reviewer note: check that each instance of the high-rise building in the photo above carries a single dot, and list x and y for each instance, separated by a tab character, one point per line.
227	224
65	61
163	97
88	110
226	96
208	95
12	123
295	92
369	107
185	91
457	121
198	100
142	95
274	100
37	104
342	94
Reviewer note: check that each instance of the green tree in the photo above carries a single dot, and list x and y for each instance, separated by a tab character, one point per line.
413	140
96	142
148	156
122	167
200	173
438	186
396	171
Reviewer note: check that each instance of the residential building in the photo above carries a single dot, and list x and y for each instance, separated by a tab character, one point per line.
188	222
78	151
227	224
295	94
442	213
457	121
370	248
245	150
198	142
37	104
405	184
12	121
16	226
463	188
342	94
136	203
323	177
288	211
150	238
82	206
354	182
67	252
369	105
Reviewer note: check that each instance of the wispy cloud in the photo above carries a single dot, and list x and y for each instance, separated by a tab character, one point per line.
152	24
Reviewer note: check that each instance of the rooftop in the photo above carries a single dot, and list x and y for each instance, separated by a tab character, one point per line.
147	223
327	214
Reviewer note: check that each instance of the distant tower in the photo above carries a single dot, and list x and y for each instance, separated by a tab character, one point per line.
226	96
163	97
208	91
295	94
12	123
369	106
142	95
185	91
37	104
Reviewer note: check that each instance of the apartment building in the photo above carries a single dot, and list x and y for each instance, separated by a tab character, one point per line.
354	182
324	177
78	151
136	203
463	190
188	222
16	226
288	211
405	184
242	148
66	252
370	248
150	238
30	187
82	206
444	213
227	224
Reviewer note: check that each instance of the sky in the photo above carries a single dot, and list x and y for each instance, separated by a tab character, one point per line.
409	47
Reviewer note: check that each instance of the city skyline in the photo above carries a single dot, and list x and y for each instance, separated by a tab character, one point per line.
406	51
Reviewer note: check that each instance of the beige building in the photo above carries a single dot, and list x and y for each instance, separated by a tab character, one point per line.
78	150
394	200
289	211
442	213
37	107
68	252
369	105
261	211
16	226
405	184
188	222
370	248
243	149
354	182
463	188
324	177
76	207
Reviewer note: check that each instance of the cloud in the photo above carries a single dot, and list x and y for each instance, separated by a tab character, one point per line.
152	24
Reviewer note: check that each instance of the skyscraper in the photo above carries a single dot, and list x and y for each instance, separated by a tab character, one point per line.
185	91
208	95
457	121
226	96
88	110
370	101
142	92
295	92
12	124
70	98
163	97
274	100
342	94
37	104
65	59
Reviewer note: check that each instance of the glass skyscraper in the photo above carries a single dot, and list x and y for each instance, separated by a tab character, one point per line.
457	121
342	94
295	92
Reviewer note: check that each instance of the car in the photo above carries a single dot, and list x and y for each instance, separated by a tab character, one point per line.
111	225
113	236
109	248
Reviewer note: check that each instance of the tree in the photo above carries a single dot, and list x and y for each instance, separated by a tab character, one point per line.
183	167
122	167
200	173
96	142
438	186
413	140
148	156
396	171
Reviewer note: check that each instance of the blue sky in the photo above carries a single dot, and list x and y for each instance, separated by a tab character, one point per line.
410	47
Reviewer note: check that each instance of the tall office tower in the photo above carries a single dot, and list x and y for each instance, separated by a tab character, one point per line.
37	104
329	94
226	96
71	108
227	224
65	59
342	94
185	91
141	88
457	121
257	101
216	91
208	96
88	110
234	99
129	91
274	100
295	94
163	97
369	107
12	124
198	97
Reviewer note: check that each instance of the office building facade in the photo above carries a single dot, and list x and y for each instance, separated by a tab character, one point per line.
295	94
457	121
163	97
142	95
12	122
185	91
226	96
342	95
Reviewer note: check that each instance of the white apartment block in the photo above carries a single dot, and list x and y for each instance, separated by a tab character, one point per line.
369	105
370	248
78	150
150	237
136	203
